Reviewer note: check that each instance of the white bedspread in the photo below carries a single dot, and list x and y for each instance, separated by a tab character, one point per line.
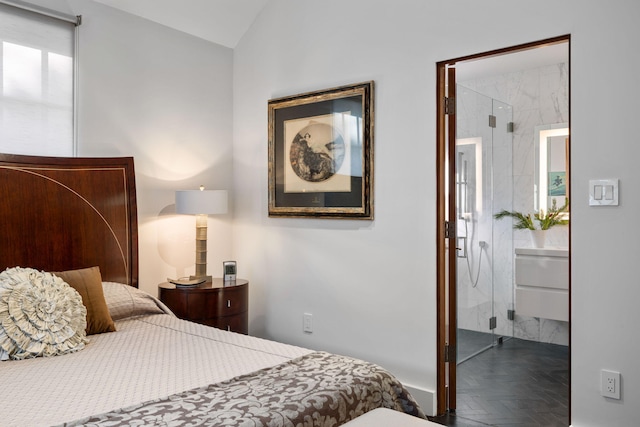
148	357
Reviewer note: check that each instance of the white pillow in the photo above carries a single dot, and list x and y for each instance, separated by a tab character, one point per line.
40	315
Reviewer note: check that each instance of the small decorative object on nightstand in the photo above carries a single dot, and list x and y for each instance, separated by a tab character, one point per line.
216	303
229	270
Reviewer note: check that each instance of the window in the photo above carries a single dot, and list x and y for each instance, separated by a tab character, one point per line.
36	83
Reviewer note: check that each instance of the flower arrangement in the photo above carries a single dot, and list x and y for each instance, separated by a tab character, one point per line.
554	216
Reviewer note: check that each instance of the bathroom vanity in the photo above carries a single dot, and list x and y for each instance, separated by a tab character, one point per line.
542	283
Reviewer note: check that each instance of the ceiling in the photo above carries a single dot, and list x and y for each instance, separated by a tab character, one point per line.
220	21
225	21
512	62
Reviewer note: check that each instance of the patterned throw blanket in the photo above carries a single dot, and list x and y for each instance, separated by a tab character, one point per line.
319	389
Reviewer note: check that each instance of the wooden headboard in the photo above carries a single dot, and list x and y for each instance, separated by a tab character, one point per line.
60	214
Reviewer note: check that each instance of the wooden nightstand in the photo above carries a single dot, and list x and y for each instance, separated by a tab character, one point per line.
222	305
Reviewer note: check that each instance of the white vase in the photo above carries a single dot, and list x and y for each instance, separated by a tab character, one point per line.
538	238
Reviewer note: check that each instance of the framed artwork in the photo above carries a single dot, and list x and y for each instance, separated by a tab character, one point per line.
557	184
321	153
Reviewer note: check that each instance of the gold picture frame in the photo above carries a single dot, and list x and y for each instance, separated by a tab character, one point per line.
321	153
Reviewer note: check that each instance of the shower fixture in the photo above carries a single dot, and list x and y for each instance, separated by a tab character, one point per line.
465	215
462	183
474	282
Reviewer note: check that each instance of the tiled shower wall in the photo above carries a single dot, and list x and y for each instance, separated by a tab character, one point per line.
538	97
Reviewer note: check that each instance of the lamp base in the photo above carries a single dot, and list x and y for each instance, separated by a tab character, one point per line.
208	279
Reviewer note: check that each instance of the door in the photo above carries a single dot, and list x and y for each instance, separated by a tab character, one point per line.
484	186
475	123
446	243
451	199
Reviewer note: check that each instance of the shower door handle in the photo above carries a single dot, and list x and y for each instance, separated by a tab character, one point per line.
461	247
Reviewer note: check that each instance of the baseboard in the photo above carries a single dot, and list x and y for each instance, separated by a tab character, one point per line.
425	398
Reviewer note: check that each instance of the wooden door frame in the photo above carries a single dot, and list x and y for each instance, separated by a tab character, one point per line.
446	292
446	261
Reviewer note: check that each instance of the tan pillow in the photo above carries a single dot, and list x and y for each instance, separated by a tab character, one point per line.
88	283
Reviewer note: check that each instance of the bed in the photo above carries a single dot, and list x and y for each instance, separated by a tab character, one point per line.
107	353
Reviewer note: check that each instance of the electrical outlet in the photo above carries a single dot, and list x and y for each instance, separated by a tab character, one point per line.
307	323
610	384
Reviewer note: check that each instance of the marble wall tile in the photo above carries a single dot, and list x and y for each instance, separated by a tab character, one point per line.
554	332
558	236
527	328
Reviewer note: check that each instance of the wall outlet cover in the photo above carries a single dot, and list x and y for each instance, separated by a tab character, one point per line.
610	384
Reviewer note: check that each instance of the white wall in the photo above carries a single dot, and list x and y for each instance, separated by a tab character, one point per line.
165	98
346	272
370	285
605	291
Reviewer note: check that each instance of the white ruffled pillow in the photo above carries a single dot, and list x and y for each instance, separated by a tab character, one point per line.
40	315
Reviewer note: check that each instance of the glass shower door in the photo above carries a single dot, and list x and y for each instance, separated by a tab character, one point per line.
483	184
502	231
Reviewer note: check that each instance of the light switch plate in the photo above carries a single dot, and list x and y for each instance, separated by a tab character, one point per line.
603	192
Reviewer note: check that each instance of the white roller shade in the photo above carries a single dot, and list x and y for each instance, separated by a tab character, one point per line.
36	83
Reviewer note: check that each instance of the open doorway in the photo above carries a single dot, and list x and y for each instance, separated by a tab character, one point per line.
492	109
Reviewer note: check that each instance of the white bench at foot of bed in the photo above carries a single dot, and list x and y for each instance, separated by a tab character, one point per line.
383	417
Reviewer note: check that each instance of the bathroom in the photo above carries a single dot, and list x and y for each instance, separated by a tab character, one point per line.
501	119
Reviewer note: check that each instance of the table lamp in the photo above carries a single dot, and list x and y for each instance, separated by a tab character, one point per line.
201	203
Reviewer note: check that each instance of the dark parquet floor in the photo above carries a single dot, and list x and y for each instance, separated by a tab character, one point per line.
516	383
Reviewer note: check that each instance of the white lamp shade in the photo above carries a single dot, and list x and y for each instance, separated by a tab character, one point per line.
197	202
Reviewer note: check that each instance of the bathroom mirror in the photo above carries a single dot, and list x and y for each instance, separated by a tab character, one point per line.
551	165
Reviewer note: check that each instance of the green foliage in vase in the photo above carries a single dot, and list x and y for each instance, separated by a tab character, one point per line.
521	221
554	216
